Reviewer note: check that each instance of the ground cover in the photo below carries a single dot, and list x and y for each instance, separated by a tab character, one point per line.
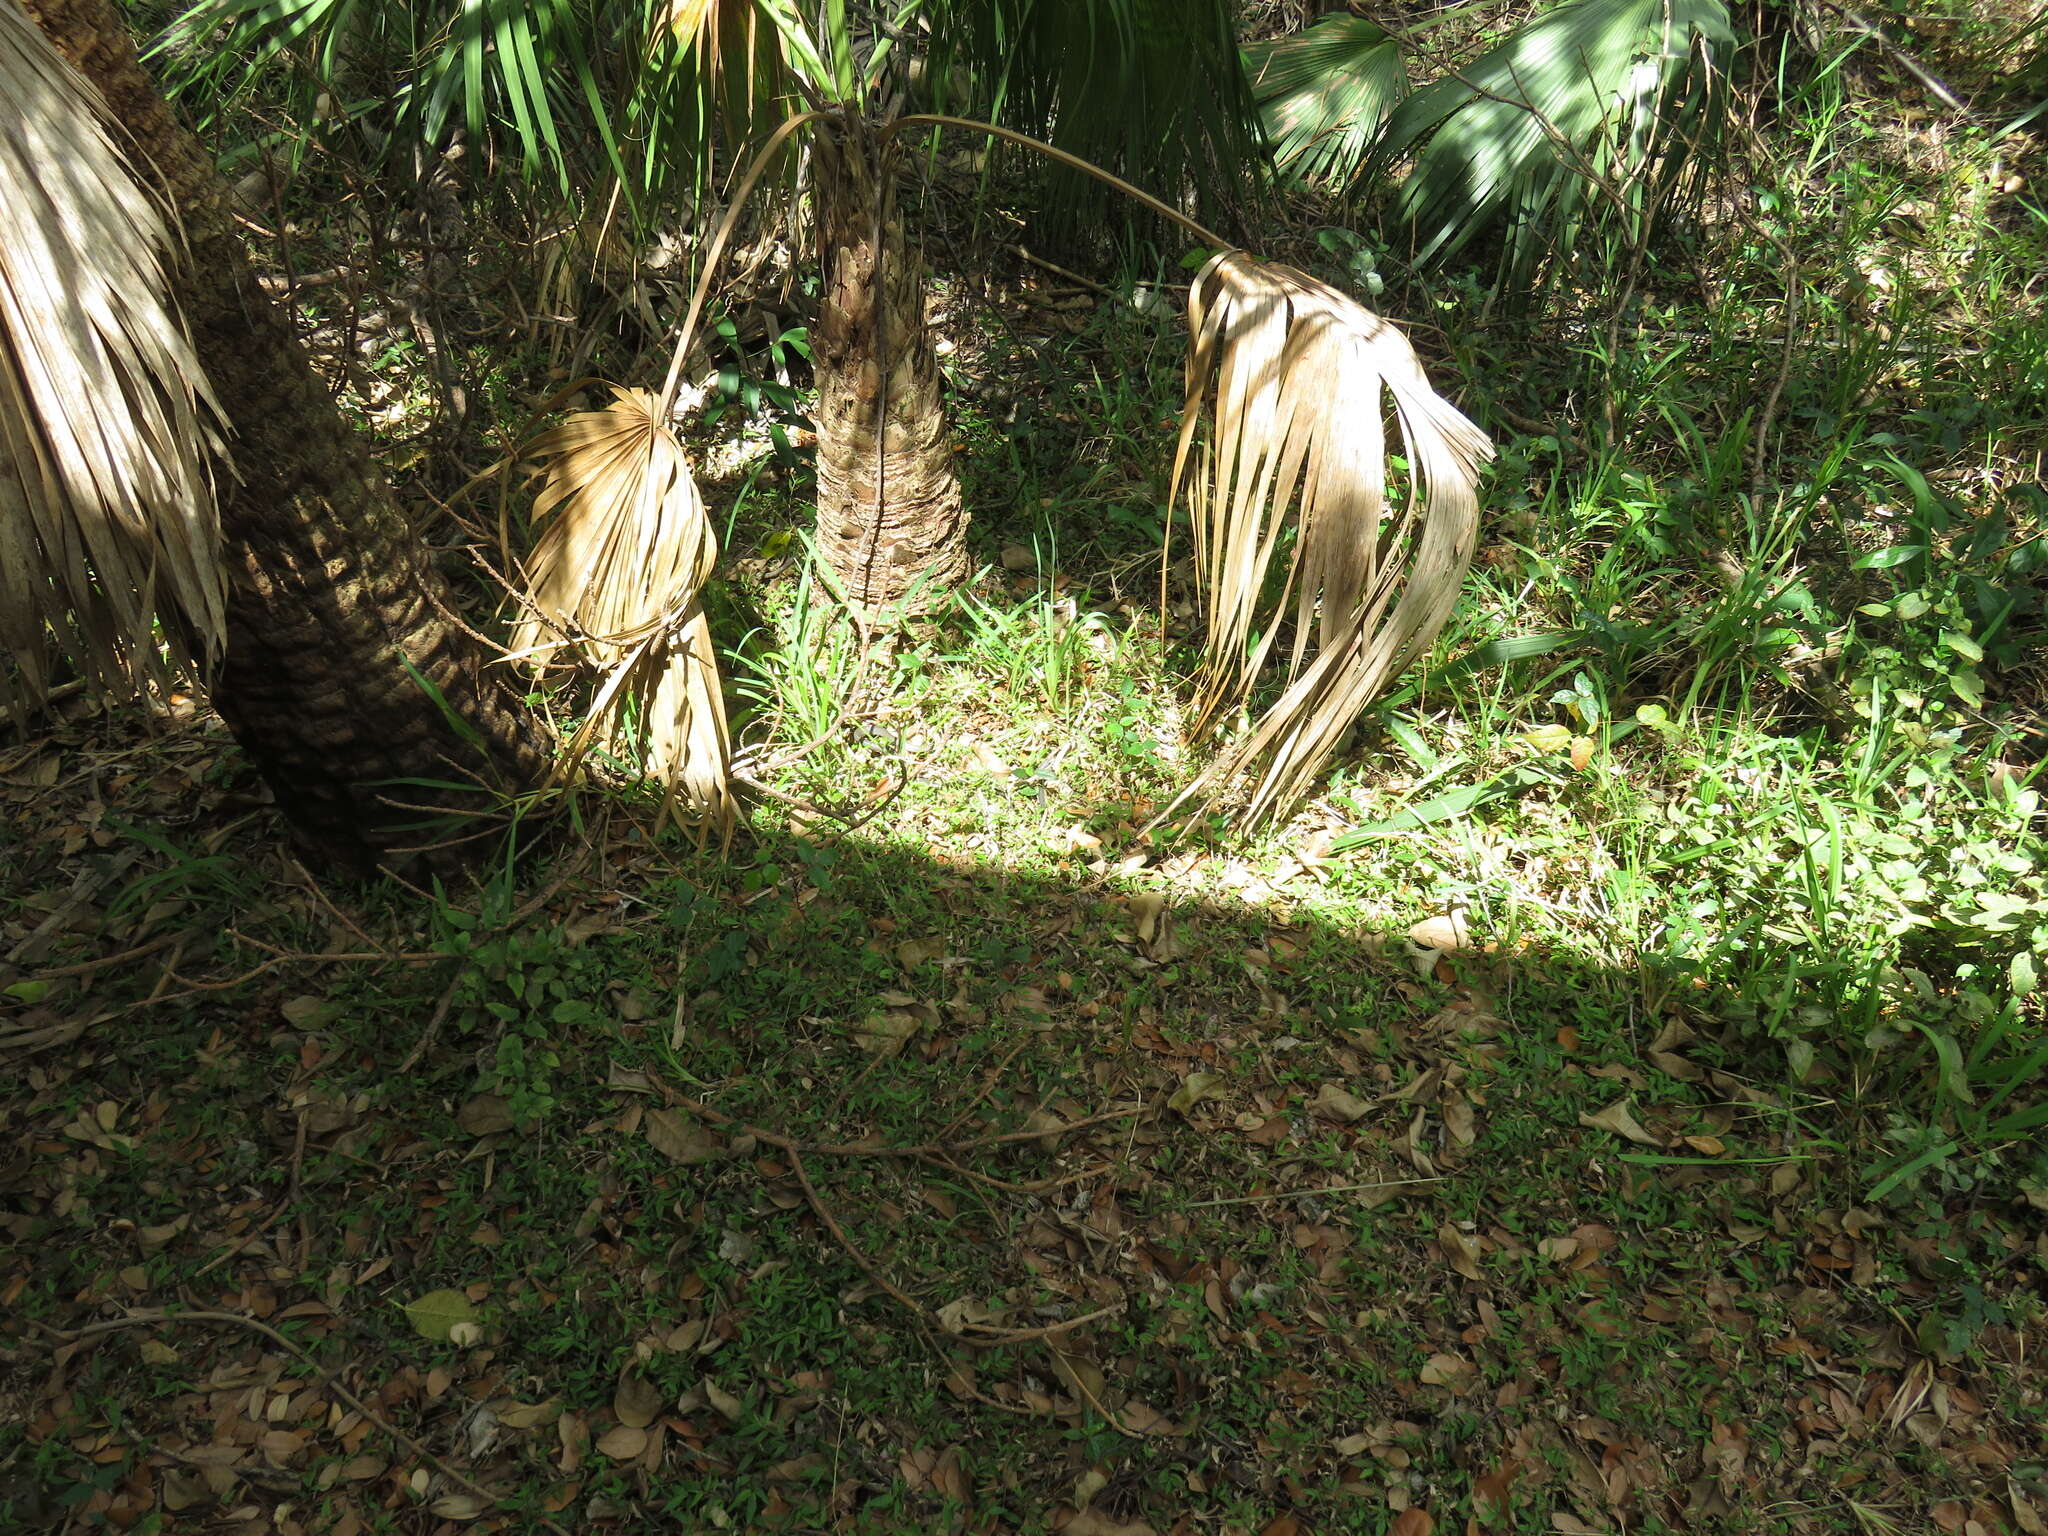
590	1192
1614	1104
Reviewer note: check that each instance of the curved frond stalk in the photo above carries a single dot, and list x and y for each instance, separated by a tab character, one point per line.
1324	94
1154	90
1287	493
109	534
1616	91
616	578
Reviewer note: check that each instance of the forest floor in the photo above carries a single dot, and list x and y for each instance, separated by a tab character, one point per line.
1613	1105
873	1182
871	1186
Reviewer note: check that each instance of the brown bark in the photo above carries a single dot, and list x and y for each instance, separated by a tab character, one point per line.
890	517
332	593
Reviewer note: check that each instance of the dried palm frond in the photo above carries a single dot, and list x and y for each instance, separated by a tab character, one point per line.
1288	489
615	578
107	518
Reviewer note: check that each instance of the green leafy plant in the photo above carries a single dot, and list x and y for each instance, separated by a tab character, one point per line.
1589	100
1325	93
523	992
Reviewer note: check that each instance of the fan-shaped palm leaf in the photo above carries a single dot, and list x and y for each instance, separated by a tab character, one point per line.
1324	93
616	577
1287	490
1592	87
108	529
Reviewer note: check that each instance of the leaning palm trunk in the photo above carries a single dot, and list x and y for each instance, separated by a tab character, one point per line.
346	677
891	526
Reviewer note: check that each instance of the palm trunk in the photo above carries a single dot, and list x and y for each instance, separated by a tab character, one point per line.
890	521
344	669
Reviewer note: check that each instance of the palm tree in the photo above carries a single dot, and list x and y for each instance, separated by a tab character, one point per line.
645	90
343	670
1281	451
1281	462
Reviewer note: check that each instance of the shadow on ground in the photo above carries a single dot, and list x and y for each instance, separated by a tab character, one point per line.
1369	1238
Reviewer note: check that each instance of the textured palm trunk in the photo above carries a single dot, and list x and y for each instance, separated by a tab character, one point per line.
890	521
343	665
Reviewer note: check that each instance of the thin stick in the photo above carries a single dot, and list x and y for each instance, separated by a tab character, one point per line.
1011	1186
87	967
194	988
717	249
983	1333
988	1086
867	1265
433	1030
327	1381
257	1228
1059	271
1304	1194
1095	1402
1050	1330
869	1149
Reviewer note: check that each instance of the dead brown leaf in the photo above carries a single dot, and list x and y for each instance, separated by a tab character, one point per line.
485	1115
574	1435
1334	1103
1460	1121
1673	1065
1460	1251
1459	1375
679	1138
636	1401
886	1031
1490	1494
1092	1522
1446	931
1619	1119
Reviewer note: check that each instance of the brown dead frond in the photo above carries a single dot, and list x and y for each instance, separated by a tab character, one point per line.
109	536
1287	491
615	578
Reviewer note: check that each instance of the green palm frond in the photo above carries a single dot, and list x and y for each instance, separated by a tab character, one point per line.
616	579
561	89
509	70
1287	493
109	537
1324	94
1619	89
744	55
1154	90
